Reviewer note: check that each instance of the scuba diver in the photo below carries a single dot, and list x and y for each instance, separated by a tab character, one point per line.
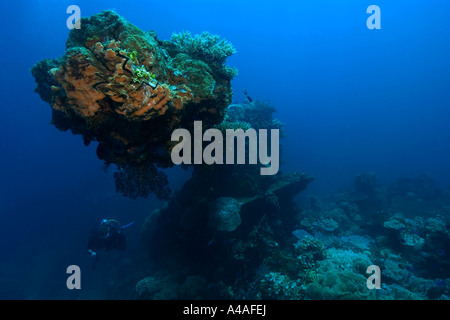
107	236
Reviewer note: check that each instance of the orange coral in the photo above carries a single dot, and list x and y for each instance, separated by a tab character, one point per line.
149	101
76	79
138	100
120	138
126	89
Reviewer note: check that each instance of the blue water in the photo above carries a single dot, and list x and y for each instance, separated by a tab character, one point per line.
353	100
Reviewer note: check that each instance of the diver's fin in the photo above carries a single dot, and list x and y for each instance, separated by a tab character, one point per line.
128	225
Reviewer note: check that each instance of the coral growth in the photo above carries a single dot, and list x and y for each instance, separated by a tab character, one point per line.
127	90
281	252
225	214
140	181
207	47
339	285
236	220
230	233
255	114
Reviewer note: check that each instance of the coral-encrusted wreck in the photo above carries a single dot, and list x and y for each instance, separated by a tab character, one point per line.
224	228
128	90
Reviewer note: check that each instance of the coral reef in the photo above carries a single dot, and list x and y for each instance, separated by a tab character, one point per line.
280	251
225	214
229	232
167	287
232	235
339	285
127	90
278	286
229	221
255	114
140	181
406	237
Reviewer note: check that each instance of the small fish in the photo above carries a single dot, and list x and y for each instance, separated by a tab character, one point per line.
248	97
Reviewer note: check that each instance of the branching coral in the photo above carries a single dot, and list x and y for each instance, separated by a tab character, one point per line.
207	47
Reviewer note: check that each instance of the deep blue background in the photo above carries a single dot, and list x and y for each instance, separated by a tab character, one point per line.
353	100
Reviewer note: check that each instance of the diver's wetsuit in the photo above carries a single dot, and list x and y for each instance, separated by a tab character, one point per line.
114	240
106	237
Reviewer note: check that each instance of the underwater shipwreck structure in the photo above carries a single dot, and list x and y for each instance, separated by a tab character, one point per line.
128	91
229	232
